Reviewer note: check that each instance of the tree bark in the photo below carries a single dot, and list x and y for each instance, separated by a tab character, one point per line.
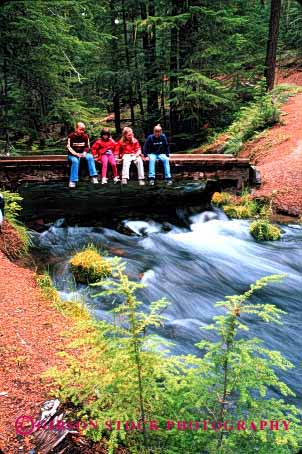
137	74
271	52
174	64
128	63
151	73
115	87
6	107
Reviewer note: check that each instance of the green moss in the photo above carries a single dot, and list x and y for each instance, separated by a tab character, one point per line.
263	230
73	309
221	198
237	211
88	266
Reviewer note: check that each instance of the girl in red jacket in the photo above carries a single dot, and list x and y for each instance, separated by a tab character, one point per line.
129	150
103	151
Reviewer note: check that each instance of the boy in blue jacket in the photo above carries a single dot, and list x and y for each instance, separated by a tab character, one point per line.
157	147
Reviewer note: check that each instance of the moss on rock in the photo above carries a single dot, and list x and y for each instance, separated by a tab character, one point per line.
221	198
263	230
88	266
237	211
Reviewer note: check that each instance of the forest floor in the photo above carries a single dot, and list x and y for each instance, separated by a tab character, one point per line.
30	337
277	152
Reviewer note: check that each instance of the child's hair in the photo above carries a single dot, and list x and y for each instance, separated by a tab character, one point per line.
124	132
157	128
105	131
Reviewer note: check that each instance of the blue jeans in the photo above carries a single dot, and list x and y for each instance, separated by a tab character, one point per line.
75	164
164	159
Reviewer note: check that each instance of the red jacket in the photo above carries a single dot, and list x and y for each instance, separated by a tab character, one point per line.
127	147
100	147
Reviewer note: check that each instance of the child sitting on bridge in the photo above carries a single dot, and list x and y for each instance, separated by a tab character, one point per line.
78	148
103	151
129	150
157	147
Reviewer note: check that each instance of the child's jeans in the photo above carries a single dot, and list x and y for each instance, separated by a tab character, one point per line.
164	159
127	159
75	164
105	159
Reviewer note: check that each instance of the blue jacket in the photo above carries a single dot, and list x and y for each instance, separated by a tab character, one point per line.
156	145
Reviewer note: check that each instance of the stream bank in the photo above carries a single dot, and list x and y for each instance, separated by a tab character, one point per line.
30	338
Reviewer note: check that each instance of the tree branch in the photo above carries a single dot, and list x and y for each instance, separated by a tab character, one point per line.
72	67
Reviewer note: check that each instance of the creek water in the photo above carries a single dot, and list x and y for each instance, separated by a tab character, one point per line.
193	267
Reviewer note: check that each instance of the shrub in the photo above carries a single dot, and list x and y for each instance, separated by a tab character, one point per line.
263	230
119	373
88	266
249	202
242	207
256	117
12	211
12	205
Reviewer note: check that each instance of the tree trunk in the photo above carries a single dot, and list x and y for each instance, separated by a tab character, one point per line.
151	73
117	113
271	53
174	65
115	86
5	96
128	63
137	74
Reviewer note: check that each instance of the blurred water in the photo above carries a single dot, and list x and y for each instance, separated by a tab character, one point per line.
193	268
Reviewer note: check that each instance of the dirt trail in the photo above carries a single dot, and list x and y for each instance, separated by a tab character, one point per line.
277	153
30	337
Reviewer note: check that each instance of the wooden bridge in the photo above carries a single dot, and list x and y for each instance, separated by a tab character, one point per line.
227	169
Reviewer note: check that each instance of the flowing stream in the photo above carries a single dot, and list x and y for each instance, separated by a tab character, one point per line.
193	267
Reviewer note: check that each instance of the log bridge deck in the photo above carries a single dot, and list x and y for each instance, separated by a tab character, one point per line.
227	169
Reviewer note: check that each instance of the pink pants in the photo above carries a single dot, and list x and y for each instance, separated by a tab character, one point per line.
105	159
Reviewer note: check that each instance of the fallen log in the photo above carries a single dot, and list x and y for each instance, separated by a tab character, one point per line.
106	204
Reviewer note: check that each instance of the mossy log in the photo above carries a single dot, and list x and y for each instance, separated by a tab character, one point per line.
105	203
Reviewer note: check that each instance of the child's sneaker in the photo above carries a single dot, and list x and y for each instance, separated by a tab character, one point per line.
72	184
141	182
94	180
151	182
124	181
104	180
116	179
169	182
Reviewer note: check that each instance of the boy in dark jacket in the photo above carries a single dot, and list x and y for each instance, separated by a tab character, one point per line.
78	148
157	147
